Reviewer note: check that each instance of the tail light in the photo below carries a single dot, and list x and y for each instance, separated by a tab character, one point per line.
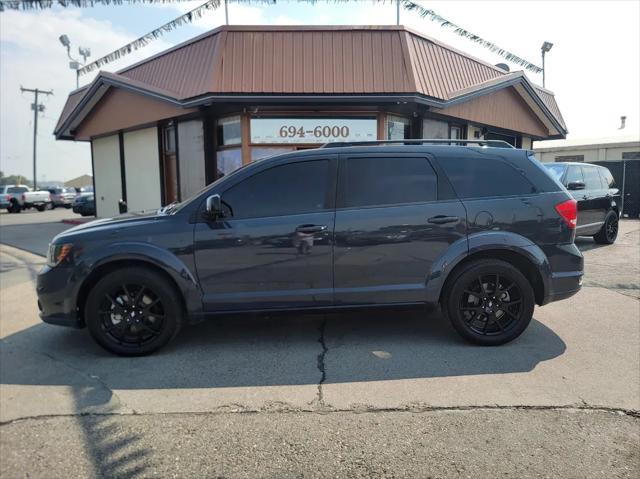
569	212
24	197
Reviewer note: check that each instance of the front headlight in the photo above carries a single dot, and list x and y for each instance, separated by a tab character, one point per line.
59	253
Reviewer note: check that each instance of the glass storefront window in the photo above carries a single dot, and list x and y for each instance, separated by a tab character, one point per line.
398	128
228	161
258	153
229	131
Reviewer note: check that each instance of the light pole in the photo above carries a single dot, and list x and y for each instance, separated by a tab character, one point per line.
546	46
75	64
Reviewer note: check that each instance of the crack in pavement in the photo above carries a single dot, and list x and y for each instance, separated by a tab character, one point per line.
321	365
363	409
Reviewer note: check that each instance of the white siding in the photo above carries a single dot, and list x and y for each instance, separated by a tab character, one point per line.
106	165
191	158
142	169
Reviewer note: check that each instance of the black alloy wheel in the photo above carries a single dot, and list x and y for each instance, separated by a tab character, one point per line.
609	231
489	302
490	305
133	311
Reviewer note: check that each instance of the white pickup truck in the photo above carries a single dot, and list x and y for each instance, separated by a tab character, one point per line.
16	198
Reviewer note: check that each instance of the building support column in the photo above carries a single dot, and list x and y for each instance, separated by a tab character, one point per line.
246	138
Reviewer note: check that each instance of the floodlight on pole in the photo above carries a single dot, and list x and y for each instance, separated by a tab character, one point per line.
546	46
75	64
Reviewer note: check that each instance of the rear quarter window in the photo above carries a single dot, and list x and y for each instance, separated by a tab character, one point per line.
486	177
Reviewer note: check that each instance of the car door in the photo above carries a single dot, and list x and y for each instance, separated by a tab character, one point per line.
390	227
273	248
595	201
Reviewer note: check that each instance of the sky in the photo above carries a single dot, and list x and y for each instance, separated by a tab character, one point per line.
593	68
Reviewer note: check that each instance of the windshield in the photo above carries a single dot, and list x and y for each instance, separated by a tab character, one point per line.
555	170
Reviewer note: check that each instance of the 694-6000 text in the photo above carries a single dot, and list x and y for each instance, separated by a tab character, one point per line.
317	132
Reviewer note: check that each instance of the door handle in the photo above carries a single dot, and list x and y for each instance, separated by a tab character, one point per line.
309	229
585	197
442	219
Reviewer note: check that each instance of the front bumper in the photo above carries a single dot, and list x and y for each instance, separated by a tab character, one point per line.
57	298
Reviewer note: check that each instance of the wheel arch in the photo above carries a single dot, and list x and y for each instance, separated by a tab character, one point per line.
109	266
520	261
527	257
127	255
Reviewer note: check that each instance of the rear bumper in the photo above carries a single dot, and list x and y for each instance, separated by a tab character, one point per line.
567	270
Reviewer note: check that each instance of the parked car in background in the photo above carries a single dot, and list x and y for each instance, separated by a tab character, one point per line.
85	204
62	196
16	198
84	190
598	199
484	232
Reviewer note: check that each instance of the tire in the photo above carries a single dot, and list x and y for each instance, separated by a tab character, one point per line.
14	207
474	313
129	321
67	206
41	207
609	231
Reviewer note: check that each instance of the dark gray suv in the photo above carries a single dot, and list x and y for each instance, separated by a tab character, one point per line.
485	232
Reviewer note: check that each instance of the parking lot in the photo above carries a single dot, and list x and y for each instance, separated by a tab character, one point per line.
348	395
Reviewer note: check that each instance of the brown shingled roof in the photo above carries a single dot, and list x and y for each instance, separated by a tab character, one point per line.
310	60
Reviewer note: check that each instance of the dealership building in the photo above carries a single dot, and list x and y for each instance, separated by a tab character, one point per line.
163	128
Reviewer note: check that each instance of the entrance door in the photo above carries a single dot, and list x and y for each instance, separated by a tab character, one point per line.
274	247
390	227
169	165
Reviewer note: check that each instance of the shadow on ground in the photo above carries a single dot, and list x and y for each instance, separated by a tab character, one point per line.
279	350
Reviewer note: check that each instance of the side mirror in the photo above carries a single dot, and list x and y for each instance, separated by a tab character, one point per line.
576	185
214	206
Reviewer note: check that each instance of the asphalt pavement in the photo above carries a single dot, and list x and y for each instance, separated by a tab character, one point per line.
346	395
32	230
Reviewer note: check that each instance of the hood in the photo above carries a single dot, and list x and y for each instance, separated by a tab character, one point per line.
124	220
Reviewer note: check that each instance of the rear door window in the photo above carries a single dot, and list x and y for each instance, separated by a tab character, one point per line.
607	178
382	181
485	177
293	188
591	178
574	173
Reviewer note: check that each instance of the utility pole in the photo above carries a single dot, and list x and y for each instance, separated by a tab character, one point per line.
36	107
397	12
226	13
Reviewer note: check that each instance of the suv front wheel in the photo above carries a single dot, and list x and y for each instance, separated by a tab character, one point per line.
489	302
133	311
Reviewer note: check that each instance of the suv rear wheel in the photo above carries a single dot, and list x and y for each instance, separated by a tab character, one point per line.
609	231
133	312
489	302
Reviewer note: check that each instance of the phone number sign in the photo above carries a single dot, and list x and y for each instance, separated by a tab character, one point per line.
312	130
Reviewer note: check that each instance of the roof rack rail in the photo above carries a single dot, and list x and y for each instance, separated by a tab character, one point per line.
450	142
